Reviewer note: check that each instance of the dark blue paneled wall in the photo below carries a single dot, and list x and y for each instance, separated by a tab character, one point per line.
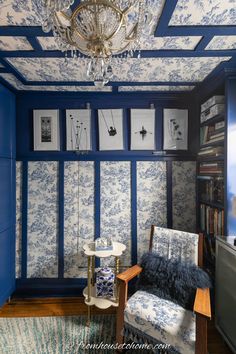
27	102
7	193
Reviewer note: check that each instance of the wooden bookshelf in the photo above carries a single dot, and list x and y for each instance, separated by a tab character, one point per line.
214	143
212	204
210	188
213	120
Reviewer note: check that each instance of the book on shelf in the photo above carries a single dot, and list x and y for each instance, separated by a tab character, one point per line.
211	220
212	190
220	125
211	151
209	134
211	167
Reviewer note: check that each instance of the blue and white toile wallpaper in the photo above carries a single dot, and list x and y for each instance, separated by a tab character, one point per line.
78	215
79	210
222	42
116	206
14	43
42	260
151	200
18	217
189	69
204	13
184	195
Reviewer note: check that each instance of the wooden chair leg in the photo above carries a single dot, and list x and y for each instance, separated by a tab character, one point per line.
123	293
201	334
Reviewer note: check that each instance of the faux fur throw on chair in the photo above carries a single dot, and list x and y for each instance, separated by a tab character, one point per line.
171	279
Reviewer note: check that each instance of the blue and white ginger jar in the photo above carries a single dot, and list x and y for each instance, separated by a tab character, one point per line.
105	283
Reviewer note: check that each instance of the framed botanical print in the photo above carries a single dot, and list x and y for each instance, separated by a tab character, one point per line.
110	129
143	129
175	129
46	130
78	130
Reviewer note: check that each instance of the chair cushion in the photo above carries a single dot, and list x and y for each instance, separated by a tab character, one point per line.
161	320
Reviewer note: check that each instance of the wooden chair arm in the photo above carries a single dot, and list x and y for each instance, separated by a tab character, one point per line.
130	273
202	303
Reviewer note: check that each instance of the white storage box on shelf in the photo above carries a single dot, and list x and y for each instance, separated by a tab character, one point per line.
212	101
212	107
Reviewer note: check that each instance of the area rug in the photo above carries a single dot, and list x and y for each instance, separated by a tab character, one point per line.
56	335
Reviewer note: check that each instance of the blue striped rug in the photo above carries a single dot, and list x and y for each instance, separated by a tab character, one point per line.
56	335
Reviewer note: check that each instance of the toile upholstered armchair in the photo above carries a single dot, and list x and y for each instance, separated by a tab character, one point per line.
147	318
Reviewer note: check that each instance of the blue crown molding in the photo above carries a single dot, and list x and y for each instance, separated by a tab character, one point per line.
12	70
169	53
7	85
4	70
111	83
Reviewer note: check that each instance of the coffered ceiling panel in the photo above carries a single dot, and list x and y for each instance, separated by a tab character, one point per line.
20	12
147	69
204	12
155	88
12	80
169	43
222	43
14	43
148	42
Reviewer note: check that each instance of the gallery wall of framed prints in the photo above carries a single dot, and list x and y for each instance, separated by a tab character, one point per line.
111	130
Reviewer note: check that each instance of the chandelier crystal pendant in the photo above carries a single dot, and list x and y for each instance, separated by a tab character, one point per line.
103	30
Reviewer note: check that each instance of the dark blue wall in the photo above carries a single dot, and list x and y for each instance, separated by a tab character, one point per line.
7	193
62	101
27	102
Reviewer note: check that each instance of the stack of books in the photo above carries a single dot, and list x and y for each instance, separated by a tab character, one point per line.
212	190
211	151
212	133
211	168
211	220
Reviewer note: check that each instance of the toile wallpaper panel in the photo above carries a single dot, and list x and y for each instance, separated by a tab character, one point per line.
184	195
116	206
42	237
78	215
151	200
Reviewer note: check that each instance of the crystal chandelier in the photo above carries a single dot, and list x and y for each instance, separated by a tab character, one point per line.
99	29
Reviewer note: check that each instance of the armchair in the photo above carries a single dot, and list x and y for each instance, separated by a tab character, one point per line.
155	320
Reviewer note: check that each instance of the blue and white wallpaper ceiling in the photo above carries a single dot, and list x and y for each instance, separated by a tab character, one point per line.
191	40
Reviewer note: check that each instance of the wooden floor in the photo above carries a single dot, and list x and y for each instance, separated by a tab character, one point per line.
75	306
